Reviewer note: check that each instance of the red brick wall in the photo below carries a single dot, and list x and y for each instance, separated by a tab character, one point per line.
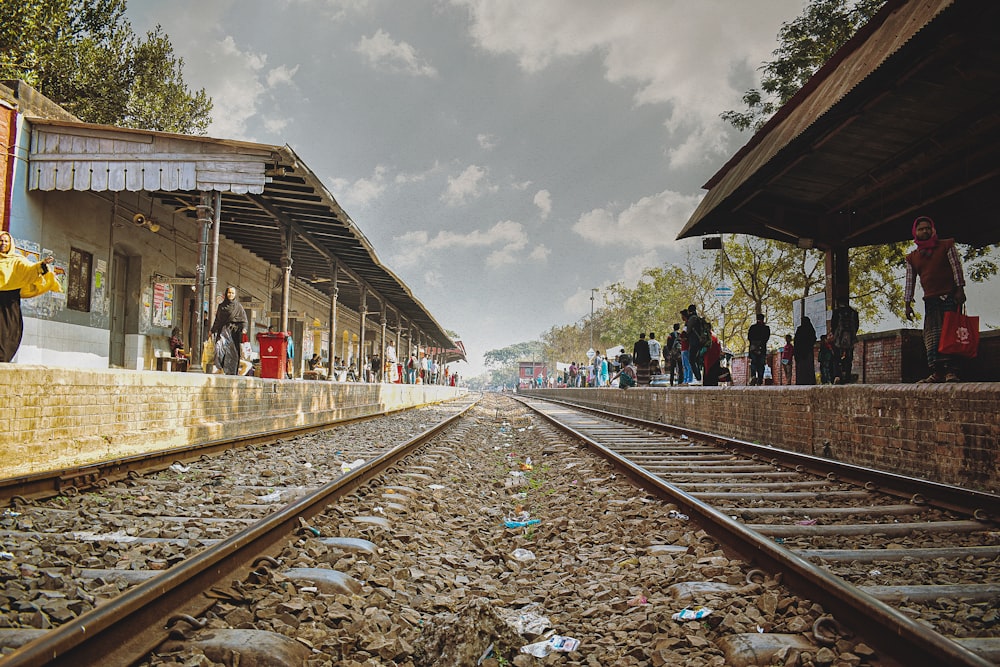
8	124
946	433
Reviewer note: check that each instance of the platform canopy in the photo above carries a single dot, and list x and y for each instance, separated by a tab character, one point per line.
903	121
268	196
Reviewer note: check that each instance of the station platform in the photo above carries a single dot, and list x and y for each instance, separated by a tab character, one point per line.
947	433
56	418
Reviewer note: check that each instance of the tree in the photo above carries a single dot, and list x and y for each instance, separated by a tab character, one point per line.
83	55
503	362
805	44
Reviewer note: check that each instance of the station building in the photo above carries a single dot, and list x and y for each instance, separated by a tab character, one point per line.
148	229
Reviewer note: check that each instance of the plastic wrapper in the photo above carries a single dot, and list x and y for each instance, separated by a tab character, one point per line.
691	613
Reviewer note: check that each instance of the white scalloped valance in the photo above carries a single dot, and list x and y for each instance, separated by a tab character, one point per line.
66	158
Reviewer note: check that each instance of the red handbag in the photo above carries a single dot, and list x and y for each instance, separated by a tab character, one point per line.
959	335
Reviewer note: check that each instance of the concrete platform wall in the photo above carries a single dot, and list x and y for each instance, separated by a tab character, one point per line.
60	417
947	433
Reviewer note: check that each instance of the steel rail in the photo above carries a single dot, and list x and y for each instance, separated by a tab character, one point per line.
985	506
134	624
906	641
100	473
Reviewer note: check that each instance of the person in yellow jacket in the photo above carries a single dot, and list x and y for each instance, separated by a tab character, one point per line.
19	278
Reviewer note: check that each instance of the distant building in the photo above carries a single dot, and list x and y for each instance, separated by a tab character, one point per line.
527	371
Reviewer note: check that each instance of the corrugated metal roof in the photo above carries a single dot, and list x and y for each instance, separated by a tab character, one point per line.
265	190
902	121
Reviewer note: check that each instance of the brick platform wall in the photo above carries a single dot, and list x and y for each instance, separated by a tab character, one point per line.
947	433
57	417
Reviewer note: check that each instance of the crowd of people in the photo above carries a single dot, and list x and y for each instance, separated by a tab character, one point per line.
691	355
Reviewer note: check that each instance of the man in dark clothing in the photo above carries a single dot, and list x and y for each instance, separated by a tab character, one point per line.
757	336
641	357
672	354
843	335
698	342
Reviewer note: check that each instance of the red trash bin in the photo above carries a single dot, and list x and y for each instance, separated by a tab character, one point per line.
273	350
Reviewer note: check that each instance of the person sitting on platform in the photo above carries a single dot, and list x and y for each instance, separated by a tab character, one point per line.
627	375
177	344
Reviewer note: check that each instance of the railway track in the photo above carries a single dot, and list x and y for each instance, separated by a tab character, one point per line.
94	576
910	565
436	551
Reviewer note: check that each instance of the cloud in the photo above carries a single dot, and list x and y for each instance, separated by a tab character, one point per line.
508	239
281	75
276	125
434	278
360	193
666	51
234	81
383	54
336	10
468	185
655	220
540	253
486	141
543	200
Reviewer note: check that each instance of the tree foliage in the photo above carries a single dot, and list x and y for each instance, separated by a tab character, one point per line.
83	55
502	363
804	45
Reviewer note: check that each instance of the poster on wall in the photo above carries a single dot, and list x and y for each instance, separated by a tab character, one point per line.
163	304
100	302
50	303
147	309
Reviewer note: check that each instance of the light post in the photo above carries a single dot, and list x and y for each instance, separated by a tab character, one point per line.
592	290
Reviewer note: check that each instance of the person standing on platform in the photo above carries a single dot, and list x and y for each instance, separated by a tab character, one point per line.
826	358
654	354
787	355
227	330
672	355
640	355
937	263
390	363
425	368
757	336
289	356
686	352
844	334
602	371
698	342
19	277
805	341
713	359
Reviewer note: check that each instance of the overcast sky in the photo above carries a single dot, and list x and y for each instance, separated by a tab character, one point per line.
503	156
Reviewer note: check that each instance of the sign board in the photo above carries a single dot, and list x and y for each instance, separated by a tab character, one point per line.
170	280
723	293
614	352
815	306
591	353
